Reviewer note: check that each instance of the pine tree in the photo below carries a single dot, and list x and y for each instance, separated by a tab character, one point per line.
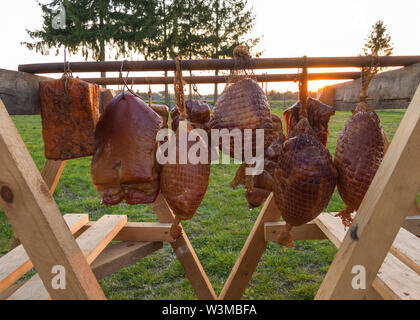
378	41
93	25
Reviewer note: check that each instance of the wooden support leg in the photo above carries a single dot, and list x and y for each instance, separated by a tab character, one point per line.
186	254
31	210
51	174
251	253
381	214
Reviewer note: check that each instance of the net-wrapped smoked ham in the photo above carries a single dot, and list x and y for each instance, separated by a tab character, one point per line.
262	184
305	178
163	112
359	153
184	185
124	165
318	116
198	115
243	105
69	112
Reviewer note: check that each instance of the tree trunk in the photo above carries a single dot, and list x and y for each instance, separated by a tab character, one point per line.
166	91
216	91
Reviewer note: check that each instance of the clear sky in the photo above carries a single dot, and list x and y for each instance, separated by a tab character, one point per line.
289	28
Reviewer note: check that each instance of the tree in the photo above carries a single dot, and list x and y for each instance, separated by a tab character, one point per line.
378	41
229	25
92	25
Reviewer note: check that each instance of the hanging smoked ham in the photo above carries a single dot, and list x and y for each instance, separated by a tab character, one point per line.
124	164
262	184
198	115
318	116
360	149
243	105
69	112
183	185
163	112
306	177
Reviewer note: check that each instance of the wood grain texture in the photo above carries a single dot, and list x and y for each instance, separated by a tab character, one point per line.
395	280
309	231
250	254
382	211
91	242
16	263
122	255
51	174
141	231
35	217
186	254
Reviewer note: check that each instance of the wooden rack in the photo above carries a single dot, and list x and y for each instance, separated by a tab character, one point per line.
390	254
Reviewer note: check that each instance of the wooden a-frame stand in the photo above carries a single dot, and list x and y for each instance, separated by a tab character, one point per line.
388	254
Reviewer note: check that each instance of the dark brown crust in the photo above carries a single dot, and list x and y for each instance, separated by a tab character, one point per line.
184	185
243	105
124	164
69	112
318	116
305	179
359	152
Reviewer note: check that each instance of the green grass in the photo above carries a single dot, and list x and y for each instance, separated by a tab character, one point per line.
217	232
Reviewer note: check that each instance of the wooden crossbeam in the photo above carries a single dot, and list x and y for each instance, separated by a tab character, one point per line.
121	255
141	231
34	215
382	212
309	231
186	254
250	254
91	242
395	280
15	263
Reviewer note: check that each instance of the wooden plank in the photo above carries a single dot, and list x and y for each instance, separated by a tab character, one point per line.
382	212
412	225
51	174
309	231
35	217
91	242
15	263
406	248
186	254
121	255
141	231
250	254
394	280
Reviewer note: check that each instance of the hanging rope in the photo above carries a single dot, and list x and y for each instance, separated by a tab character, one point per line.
367	75
243	67
303	89
179	91
150	95
67	72
196	93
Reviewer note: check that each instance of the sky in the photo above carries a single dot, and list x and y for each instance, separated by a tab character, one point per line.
289	29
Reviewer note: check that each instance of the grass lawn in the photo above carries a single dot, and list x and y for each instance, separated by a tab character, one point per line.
217	232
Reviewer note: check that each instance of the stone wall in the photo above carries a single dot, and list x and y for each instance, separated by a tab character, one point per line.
19	92
388	90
